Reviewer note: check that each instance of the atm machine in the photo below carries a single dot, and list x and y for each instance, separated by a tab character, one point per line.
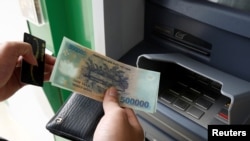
202	50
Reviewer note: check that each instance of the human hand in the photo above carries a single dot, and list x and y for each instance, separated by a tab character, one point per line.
117	124
11	54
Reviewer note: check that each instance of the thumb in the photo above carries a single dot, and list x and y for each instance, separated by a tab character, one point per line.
110	100
13	50
25	50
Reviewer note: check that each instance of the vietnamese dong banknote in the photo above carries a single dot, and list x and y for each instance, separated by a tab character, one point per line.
89	73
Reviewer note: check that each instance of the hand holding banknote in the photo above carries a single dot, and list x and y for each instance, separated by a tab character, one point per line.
126	128
84	71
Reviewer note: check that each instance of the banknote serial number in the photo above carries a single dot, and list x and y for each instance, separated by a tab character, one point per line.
135	102
76	49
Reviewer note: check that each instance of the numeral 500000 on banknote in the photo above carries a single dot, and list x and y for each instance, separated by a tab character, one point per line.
84	71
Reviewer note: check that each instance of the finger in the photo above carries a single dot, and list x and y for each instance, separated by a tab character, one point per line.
110	100
49	65
47	71
47	76
48	68
50	59
25	50
133	120
12	51
19	61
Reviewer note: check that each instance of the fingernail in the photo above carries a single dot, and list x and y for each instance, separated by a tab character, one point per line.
112	91
36	63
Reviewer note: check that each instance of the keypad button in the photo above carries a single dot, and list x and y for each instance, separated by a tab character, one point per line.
203	103
167	97
181	104
195	112
190	95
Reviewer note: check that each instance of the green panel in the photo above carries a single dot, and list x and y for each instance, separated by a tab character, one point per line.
55	10
65	94
79	21
70	18
42	32
54	96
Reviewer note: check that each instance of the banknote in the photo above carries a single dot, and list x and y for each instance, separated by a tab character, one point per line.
89	73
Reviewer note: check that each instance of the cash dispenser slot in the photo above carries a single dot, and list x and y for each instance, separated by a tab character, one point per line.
200	93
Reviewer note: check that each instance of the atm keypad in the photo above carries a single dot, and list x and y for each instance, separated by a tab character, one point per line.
190	93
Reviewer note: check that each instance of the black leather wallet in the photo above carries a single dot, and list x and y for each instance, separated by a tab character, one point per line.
77	118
